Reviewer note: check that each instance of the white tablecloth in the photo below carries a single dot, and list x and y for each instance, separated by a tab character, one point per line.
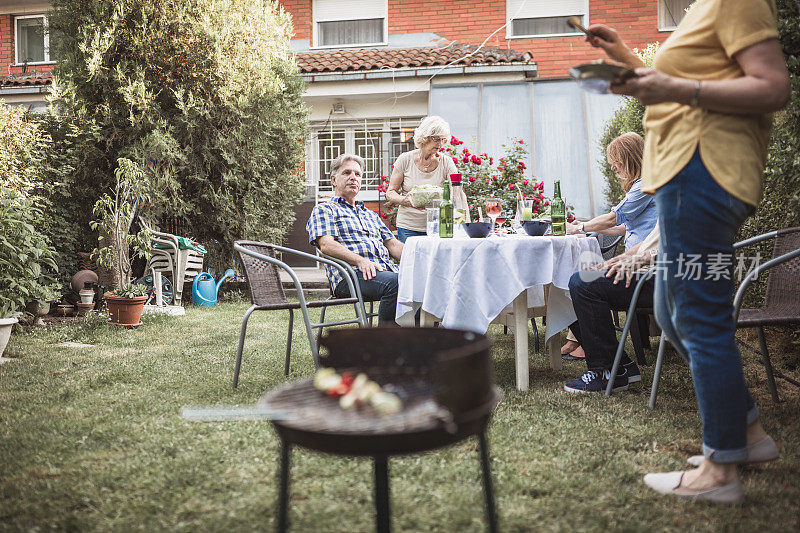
469	282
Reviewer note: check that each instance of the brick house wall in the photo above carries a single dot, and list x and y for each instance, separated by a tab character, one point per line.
7	50
636	20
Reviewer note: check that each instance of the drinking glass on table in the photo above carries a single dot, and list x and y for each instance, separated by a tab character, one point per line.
493	208
501	219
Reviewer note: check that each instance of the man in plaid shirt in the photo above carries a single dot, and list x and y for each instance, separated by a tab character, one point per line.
345	229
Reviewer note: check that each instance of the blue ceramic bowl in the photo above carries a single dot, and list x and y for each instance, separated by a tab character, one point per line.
478	230
535	228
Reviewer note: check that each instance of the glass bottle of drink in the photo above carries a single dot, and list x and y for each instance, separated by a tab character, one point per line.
446	212
460	210
558	212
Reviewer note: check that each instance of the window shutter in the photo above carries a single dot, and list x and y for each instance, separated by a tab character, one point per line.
544	8
331	10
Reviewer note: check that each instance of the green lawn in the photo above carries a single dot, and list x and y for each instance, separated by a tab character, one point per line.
91	439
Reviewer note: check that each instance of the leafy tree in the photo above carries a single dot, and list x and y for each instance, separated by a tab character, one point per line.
628	117
204	94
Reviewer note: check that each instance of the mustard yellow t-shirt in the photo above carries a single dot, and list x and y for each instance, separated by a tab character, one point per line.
732	147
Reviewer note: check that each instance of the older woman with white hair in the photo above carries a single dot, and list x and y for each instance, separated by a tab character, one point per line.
423	166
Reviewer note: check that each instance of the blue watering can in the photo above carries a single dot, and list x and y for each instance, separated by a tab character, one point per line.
204	292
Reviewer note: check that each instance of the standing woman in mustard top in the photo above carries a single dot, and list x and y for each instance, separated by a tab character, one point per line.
709	99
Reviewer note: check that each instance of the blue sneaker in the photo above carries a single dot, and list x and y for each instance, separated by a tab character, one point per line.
591	381
632	371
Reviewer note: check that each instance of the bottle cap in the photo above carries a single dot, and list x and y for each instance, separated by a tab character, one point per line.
455	178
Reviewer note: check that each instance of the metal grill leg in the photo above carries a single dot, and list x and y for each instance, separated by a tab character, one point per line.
488	493
289	342
773	389
383	516
238	364
283	488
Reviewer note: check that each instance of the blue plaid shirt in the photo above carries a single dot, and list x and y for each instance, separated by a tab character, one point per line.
357	228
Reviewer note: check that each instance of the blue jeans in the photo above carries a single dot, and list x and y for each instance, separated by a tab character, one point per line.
382	287
594	296
697	219
403	234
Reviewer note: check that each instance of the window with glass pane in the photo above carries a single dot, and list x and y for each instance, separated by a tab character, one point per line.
30	40
368	146
671	12
330	144
345	32
541	26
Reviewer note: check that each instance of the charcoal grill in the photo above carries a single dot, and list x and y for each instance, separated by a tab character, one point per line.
444	378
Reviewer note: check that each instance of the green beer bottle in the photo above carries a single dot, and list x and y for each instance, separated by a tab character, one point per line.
558	212
446	212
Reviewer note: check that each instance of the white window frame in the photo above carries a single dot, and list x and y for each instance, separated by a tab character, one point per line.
382	127
45	24
667	28
347	16
510	20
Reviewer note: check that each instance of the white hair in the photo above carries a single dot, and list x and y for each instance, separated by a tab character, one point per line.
432	126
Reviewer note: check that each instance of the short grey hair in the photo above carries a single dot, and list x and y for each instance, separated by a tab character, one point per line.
431	126
344	158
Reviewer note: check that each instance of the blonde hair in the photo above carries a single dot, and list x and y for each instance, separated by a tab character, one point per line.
625	152
431	126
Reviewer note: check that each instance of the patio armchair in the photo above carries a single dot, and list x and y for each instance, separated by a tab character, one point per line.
261	269
781	301
608	244
368	315
166	256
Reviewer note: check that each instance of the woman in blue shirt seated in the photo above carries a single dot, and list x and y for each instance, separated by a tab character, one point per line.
634	217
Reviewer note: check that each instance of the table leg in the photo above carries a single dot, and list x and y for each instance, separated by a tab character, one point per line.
521	339
283	490
383	515
426	319
554	344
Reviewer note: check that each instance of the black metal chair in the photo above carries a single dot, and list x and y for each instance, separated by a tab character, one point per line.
781	302
608	244
266	293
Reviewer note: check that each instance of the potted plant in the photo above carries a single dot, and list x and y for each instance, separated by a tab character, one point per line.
7	320
43	296
125	305
115	214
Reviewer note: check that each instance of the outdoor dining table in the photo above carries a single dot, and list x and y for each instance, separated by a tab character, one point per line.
468	283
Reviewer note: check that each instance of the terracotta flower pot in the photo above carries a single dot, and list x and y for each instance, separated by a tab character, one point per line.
125	311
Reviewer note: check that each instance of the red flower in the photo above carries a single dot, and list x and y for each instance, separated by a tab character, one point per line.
524	182
384	215
521	165
540	186
476	160
511	186
455	160
521	141
465	159
494	178
472	179
491	161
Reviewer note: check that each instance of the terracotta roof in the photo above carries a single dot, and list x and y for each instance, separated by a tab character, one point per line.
378	58
26	80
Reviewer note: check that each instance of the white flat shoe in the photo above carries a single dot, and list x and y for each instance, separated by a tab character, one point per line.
667	482
759	452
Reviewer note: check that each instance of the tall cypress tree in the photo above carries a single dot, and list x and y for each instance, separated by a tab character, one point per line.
203	93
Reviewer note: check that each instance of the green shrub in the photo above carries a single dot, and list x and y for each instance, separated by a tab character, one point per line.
629	117
26	260
204	94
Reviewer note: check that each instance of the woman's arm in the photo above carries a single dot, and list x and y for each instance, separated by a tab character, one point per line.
395	186
597	224
764	88
601	36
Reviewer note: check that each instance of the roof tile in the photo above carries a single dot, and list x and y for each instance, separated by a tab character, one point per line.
383	58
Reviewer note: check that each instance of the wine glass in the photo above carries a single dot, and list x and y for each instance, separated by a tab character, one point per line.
493	208
501	219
